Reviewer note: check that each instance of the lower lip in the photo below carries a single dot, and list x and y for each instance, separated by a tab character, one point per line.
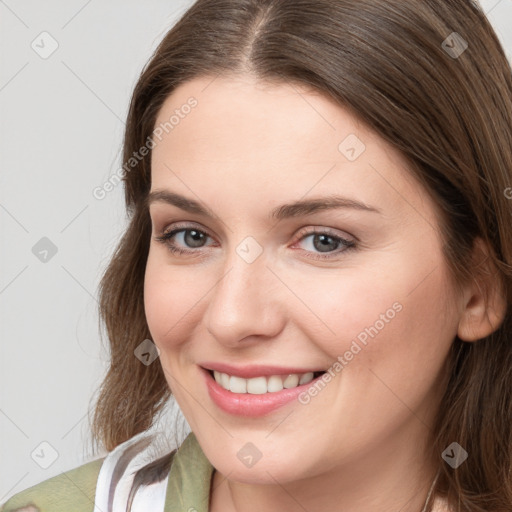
247	404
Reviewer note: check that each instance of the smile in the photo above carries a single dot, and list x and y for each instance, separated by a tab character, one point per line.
263	384
256	395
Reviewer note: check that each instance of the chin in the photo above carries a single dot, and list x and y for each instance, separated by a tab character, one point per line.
277	466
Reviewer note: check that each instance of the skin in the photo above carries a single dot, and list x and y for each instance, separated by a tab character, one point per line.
361	443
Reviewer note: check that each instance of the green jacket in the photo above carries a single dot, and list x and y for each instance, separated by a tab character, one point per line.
188	487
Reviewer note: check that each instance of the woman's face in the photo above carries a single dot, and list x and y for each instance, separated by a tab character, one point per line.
263	183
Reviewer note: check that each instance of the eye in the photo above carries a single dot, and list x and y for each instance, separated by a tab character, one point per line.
325	244
190	237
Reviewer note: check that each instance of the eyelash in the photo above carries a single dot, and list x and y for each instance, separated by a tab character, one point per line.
166	237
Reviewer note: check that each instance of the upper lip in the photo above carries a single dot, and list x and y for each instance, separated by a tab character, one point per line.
256	370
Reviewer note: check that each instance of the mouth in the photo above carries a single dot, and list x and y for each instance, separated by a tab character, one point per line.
263	384
258	395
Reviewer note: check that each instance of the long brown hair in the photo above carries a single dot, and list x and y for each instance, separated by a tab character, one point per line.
400	68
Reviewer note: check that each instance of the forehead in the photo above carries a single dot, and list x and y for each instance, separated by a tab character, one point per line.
274	139
270	116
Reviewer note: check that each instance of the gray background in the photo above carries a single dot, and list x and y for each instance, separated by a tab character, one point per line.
61	126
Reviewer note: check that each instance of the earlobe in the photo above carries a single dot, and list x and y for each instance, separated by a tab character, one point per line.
485	304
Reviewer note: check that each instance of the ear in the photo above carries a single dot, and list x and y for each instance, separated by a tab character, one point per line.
484	302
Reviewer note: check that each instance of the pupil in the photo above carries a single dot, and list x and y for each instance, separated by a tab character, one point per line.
195	238
324	244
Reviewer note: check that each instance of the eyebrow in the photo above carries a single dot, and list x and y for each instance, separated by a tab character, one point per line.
299	208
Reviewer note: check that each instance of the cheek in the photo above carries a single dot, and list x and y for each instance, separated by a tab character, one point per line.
402	356
393	338
406	316
170	294
347	306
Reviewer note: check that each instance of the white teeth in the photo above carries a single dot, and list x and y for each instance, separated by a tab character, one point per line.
307	377
261	385
237	384
224	380
257	386
291	381
275	383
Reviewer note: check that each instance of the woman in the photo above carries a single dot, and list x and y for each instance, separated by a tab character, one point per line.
317	266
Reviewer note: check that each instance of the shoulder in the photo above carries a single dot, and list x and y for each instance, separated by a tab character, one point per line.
143	468
71	490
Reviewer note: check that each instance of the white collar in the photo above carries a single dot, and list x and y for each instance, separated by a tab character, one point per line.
116	475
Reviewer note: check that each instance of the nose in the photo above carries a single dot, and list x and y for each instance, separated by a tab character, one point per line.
246	304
